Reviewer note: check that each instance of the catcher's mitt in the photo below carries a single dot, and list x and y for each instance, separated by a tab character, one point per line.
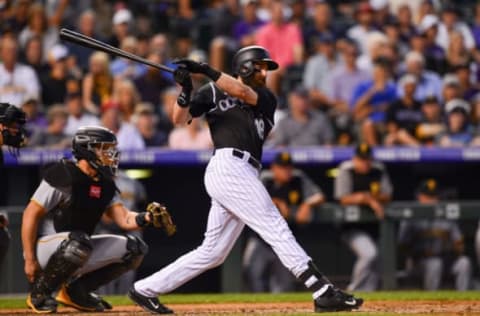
161	218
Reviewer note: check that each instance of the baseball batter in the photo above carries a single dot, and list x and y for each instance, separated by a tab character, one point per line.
239	112
59	248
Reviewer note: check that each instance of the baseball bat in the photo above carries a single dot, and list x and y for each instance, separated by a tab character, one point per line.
83	40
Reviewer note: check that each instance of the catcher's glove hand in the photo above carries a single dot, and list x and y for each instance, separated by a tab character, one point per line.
160	218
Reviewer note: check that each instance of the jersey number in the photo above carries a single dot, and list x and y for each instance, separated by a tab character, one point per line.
260	125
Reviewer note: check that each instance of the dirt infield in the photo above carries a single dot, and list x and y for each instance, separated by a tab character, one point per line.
372	307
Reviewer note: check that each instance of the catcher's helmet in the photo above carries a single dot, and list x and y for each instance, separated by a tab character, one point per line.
245	58
98	146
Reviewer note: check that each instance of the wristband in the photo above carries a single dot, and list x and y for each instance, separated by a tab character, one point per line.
212	73
183	99
140	220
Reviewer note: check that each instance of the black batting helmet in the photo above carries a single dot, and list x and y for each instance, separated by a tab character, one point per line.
245	58
89	143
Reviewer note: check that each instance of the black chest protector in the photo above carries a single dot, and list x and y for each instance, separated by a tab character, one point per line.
89	198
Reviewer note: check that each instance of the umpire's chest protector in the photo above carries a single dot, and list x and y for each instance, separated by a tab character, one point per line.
88	201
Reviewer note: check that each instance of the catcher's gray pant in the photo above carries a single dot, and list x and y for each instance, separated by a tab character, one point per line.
238	198
364	274
263	270
107	249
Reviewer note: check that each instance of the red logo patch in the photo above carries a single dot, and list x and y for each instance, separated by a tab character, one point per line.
95	191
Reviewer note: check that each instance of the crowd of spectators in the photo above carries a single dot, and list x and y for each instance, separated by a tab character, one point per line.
384	72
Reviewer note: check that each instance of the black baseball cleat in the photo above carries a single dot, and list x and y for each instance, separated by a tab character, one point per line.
335	300
42	304
150	304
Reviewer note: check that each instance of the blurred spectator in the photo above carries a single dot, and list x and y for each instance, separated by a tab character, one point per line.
159	45
153	82
36	119
424	42
345	77
434	246
382	15
33	56
145	120
244	29
97	84
17	81
223	18
54	83
404	115
476	26
318	69
432	122
86	26
128	136
450	22
195	135
126	95
294	194
303	126
122	22
428	82
364	25
450	88
273	37
77	116
38	25
4	236
459	131
467	88
133	196
165	110
14	17
124	68
376	44
54	135
405	23
320	25
371	99
362	181
457	52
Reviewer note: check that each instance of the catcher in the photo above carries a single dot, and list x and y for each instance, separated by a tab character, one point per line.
59	249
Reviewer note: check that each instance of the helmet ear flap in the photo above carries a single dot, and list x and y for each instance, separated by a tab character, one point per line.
246	69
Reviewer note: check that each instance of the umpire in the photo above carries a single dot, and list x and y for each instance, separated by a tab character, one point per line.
59	248
12	134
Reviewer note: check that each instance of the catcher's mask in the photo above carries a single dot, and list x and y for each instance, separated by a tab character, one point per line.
12	121
98	146
245	59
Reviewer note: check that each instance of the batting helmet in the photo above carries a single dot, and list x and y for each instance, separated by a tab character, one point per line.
98	146
245	58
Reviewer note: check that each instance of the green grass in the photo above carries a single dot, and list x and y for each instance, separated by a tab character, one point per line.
19	302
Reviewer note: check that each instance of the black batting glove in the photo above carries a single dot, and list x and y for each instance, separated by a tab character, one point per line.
183	78
199	68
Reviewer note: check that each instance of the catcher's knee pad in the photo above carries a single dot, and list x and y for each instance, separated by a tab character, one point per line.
136	250
77	248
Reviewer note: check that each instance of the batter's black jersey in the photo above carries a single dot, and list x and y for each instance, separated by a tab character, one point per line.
232	122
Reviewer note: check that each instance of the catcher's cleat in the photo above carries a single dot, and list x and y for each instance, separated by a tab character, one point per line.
150	304
105	304
70	296
42	304
335	300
